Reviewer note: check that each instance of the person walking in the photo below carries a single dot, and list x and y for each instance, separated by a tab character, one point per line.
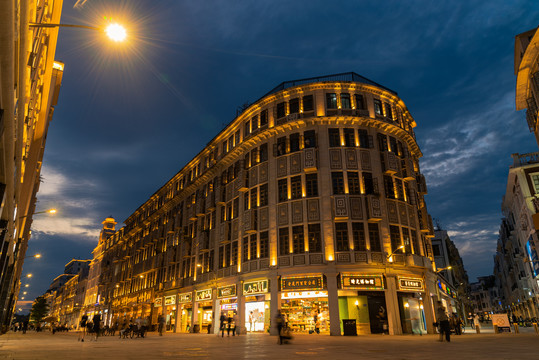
279	321
82	324
161	322
443	320
229	327
96	319
222	321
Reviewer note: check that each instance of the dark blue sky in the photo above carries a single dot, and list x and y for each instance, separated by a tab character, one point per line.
130	116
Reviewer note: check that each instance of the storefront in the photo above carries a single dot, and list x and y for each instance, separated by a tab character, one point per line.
169	312
185	312
362	298
410	292
448	298
227	301
204	310
304	304
257	302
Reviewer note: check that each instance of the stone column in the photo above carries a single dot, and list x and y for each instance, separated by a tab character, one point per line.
241	308
392	304
216	312
333	303
275	303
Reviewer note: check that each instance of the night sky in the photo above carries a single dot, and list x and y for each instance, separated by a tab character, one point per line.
131	115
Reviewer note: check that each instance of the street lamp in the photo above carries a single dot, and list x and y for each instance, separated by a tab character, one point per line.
37	256
114	31
28	275
390	256
443	269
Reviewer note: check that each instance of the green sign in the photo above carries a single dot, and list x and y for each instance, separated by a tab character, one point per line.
203	295
255	287
226	291
185	297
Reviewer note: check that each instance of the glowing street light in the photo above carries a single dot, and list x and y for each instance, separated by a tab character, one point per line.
28	275
443	269
114	31
27	285
390	256
37	256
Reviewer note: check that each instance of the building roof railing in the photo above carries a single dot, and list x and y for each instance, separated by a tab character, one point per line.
525	159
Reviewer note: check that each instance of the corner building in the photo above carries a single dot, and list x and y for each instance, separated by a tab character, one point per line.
310	201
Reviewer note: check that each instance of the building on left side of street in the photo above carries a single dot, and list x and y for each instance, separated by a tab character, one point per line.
30	81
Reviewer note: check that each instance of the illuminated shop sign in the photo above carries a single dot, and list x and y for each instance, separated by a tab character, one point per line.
185	297
358	282
227	307
158	302
410	284
304	294
202	295
226	291
255	287
302	283
170	300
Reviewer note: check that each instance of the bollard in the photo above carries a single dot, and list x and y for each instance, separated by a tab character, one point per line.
536	328
516	328
496	329
477	329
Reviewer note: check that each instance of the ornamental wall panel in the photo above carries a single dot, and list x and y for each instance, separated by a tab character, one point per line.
235	228
282	169
282	215
299	259
263	172
392	212
356	209
295	163
313	210
402	214
340	206
351	159
297	212
309	156
315	259
253	177
264	218
365	160
335	162
360	257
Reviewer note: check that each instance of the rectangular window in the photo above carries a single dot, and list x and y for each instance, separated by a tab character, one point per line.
353	183
254	123
363	139
382	142
263	152
338	183
308	103
281	110
264	245
253	198
378	107
227	255
254	157
293	105
436	250
334	137
252	250
341	237
535	179
236	209
263	197
400	190
309	139
396	242
331	101
284	246
282	188
263	118
345	101
295	187
406	240
393	145
298	240
358	234
245	251
349	138
294	142
360	102
389	113
374	237
415	242
315	241
388	187
235	259
281	146
221	257
311	185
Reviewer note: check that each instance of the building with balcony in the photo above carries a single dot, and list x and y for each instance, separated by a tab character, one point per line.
527	73
516	263
30	81
310	201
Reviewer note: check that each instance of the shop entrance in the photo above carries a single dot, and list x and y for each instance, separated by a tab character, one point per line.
205	315
257	316
186	311
368	309
412	314
306	311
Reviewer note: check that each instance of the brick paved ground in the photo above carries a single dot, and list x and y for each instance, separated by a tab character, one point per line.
260	346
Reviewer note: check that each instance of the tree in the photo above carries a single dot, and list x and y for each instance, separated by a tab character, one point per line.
40	309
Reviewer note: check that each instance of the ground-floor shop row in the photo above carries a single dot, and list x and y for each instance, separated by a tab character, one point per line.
313	303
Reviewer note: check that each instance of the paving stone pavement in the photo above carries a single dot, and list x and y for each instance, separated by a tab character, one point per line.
262	346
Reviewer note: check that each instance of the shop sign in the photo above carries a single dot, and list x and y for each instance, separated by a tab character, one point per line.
226	291
255	287
185	297
304	294
410	284
203	295
302	283
170	300
158	302
359	282
227	307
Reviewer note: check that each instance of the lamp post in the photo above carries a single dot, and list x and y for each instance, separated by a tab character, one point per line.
114	31
390	256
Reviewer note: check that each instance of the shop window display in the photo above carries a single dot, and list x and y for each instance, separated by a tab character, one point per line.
306	314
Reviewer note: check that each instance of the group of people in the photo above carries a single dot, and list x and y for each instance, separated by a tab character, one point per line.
230	324
447	323
92	327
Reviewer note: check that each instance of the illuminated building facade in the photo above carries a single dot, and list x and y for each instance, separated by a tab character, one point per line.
30	81
310	201
527	72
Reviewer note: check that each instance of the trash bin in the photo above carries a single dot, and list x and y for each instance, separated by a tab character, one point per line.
349	327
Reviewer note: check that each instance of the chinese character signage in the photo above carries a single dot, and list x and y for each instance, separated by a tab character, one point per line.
358	282
170	300
203	295
302	283
226	291
185	297
255	287
410	284
158	302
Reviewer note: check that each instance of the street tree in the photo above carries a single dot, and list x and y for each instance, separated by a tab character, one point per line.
40	309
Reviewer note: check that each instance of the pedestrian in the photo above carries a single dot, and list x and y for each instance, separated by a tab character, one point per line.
251	320
229	327
24	326
222	320
82	324
477	322
279	321
161	324
97	324
443	320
